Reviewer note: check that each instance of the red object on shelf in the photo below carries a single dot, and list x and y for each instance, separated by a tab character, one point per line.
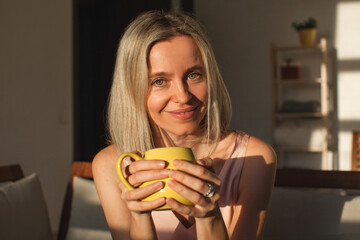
290	70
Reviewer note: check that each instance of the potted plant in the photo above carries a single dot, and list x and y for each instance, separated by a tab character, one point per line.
307	31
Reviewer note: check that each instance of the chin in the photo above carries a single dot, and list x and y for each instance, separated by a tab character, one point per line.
183	131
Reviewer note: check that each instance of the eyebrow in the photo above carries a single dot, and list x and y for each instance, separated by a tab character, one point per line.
196	67
159	74
165	74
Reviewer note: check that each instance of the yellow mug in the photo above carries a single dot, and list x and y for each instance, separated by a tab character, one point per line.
167	154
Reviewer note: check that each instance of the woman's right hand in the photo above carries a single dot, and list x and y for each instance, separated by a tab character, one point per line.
138	172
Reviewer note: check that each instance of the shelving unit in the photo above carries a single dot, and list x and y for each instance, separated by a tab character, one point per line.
311	88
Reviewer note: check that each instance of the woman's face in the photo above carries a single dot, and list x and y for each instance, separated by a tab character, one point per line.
177	96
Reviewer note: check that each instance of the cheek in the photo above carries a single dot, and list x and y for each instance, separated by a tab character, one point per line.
202	94
204	97
155	103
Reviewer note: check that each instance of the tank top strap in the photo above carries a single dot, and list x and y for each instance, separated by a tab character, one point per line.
241	143
231	171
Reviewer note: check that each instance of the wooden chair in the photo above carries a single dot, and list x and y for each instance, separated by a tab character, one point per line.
25	206
284	178
355	161
79	169
11	173
317	179
314	204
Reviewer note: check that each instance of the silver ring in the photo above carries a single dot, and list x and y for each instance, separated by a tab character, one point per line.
211	191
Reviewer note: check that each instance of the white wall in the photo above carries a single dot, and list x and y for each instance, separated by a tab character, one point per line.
237	32
36	93
241	33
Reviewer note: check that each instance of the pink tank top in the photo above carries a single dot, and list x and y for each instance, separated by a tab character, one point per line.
169	227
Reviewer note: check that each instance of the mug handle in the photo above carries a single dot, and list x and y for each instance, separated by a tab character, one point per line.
119	170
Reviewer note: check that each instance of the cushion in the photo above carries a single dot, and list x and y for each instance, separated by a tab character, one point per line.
313	214
305	133
87	219
24	214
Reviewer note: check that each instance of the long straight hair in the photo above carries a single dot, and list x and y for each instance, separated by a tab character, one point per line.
128	123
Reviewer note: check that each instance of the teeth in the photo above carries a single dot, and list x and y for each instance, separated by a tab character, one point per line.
183	113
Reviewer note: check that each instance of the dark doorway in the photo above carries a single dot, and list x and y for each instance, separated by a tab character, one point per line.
98	25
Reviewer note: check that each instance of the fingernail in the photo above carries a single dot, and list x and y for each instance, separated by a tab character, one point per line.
165	172
171	183
171	173
159	184
161	164
176	162
162	200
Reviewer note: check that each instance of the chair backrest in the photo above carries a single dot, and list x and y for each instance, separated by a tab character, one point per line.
21	201
11	173
284	178
317	179
355	161
79	169
313	204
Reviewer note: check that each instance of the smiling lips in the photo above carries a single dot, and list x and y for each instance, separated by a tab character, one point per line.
183	114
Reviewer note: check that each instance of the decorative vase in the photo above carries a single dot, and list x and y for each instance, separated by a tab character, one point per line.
307	36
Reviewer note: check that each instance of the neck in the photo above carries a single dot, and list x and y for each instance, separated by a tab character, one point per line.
194	141
165	139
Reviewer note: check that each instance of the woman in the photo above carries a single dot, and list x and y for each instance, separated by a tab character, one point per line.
167	91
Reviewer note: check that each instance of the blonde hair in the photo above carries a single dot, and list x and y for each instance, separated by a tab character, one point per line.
128	124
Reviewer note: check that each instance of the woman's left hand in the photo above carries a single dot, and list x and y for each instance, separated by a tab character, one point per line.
192	182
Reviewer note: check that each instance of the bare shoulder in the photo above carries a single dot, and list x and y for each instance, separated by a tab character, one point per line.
255	188
259	148
107	153
104	161
107	185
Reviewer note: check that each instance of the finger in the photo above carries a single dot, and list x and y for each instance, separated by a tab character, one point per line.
128	160
180	208
197	170
141	165
144	206
137	153
192	211
192	196
190	181
205	162
123	189
143	192
143	176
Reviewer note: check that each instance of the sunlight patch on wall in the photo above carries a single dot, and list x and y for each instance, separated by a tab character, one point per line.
348	30
348	95
348	111
347	41
345	140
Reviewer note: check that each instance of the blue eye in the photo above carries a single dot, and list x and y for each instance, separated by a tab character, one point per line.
193	76
159	82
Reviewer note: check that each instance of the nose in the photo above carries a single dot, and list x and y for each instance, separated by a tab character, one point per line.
181	92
